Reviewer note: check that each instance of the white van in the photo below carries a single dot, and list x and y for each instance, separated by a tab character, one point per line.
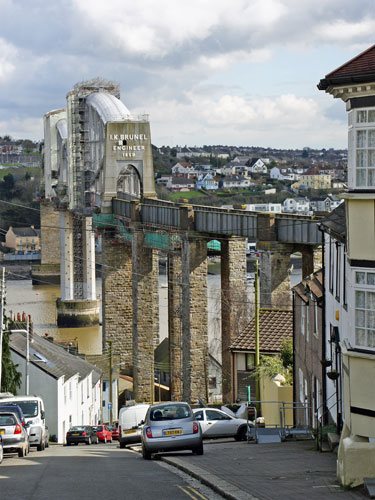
33	411
129	423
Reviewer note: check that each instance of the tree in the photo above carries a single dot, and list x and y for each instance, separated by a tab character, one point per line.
10	376
270	366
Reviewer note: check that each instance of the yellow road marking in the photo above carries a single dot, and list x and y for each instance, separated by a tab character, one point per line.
193	493
197	493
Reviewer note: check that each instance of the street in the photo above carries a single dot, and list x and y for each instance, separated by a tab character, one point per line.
94	472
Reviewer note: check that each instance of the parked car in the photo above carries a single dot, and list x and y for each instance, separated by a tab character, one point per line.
81	434
14	436
114	432
33	410
170	427
13	408
216	423
1	449
130	420
103	433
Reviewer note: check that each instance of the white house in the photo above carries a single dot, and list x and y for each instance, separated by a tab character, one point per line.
350	276
275	173
180	184
296	205
257	166
265	207
234	181
69	386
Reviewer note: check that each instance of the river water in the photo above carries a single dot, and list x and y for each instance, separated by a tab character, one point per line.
40	303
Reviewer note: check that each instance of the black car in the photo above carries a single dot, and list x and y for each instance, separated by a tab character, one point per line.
81	434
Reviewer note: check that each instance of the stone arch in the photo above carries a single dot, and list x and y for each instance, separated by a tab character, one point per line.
129	181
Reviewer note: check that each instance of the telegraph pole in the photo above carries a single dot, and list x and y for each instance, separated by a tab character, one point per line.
2	296
257	356
27	355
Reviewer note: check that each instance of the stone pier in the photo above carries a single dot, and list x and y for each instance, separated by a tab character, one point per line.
175	323
117	304
187	320
234	306
145	274
48	271
78	305
274	271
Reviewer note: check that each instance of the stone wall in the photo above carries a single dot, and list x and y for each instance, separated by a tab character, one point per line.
175	324
234	307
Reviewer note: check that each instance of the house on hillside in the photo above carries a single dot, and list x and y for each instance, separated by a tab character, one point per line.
180	184
234	182
207	182
23	239
296	205
309	349
70	386
257	166
275	326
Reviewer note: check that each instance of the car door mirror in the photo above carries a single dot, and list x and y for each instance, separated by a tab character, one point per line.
42	415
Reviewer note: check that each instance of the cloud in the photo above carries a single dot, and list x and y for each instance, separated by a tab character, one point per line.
285	121
8	53
23	127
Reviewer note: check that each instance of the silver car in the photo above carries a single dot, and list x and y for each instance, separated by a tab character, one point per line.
170	427
15	437
216	423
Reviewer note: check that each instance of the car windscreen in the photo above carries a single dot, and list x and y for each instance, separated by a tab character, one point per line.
170	412
7	419
96	428
78	428
29	408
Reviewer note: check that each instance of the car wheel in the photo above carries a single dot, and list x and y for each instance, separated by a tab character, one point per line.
122	445
146	454
21	452
241	434
105	440
198	450
88	442
40	446
75	444
68	444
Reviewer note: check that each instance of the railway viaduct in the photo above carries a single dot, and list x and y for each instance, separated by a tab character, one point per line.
98	177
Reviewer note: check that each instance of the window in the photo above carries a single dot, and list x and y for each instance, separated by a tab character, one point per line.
306	306
64	394
331	265
338	270
212	383
365	309
316	332
364	149
302	317
70	390
216	415
250	361
199	415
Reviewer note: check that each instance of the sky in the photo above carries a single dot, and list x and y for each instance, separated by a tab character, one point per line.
238	72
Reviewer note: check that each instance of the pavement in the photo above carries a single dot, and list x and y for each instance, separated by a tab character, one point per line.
243	471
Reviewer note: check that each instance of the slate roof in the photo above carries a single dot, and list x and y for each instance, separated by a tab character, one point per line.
24	231
360	69
53	359
335	223
312	284
275	326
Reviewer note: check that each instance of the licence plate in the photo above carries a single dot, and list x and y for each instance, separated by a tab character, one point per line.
2	431
174	432
75	434
130	432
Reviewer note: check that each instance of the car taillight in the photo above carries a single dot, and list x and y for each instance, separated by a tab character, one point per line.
67	434
148	432
119	429
18	429
84	433
195	427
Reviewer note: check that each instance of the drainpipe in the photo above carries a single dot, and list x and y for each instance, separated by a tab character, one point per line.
324	377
